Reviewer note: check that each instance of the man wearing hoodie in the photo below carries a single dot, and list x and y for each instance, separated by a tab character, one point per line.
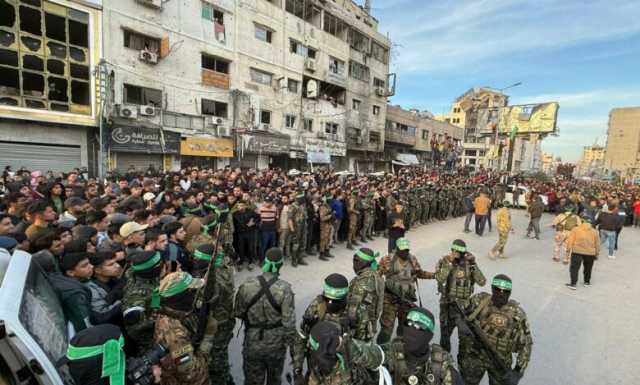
75	297
106	289
584	243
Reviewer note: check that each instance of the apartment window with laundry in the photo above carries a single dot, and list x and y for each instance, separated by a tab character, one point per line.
263	33
214	108
142	96
290	121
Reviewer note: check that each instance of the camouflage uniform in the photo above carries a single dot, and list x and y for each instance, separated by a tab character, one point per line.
368	214
221	315
315	312
352	210
433	209
269	329
364	303
563	223
413	207
435	370
137	295
326	223
358	356
456	282
508	330
298	215
424	206
389	207
175	331
400	291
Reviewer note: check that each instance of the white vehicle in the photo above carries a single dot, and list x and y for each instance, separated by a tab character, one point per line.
33	332
522	197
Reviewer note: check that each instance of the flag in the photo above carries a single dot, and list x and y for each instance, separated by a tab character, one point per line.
514	131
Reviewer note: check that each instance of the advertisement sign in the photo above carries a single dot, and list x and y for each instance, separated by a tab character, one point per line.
211	147
529	118
145	140
334	148
319	157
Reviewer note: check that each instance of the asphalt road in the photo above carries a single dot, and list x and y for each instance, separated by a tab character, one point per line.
585	337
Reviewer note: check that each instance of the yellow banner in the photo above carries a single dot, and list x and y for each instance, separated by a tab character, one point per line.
529	119
217	148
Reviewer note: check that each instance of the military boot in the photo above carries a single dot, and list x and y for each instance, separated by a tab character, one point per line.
322	256
302	262
328	254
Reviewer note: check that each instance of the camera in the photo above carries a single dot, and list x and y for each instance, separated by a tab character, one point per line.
140	369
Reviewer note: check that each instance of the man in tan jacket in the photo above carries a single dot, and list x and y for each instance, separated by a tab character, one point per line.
584	244
481	204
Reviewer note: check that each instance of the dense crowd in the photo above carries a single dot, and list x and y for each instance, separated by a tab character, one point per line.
146	251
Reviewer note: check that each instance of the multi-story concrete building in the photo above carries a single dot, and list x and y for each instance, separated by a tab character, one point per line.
549	163
591	161
281	81
412	137
49	86
622	153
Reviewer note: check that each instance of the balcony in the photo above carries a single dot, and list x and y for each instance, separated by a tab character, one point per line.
407	138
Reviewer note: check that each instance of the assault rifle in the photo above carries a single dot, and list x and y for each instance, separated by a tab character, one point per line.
470	328
208	292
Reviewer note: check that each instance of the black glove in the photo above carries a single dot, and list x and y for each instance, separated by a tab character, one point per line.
512	377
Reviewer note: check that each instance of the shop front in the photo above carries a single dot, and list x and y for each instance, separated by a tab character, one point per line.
321	149
204	152
262	149
136	147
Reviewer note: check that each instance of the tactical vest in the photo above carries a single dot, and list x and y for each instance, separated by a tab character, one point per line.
299	215
500	326
400	279
460	282
432	372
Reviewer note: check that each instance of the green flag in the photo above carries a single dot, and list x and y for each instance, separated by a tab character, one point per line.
514	131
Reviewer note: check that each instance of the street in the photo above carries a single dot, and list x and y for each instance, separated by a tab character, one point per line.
582	337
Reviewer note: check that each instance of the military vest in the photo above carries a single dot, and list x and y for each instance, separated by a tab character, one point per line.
431	372
460	282
299	214
500	326
400	279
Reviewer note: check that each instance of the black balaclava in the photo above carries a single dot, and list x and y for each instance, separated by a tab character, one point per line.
336	288
324	341
360	263
88	371
501	288
417	333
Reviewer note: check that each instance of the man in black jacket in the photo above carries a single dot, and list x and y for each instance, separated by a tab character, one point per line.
245	223
535	212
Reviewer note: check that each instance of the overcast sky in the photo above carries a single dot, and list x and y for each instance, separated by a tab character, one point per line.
583	54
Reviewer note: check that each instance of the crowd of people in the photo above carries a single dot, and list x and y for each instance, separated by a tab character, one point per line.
155	254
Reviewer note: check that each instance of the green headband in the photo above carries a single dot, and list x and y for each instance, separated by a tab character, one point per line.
207	227
113	360
171	291
206	257
300	195
193	210
149	263
271	266
421	319
459	248
502	284
369	258
335	292
402	244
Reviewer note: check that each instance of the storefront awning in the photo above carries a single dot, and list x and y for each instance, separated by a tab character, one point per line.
407	159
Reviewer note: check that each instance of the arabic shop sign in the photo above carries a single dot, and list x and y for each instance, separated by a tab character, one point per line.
214	147
265	144
334	148
145	140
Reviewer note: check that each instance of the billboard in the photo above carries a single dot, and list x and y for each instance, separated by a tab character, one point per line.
529	119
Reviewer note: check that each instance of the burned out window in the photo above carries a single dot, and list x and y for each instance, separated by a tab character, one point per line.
334	26
44	56
379	52
213	107
142	96
358	41
141	42
358	71
215	64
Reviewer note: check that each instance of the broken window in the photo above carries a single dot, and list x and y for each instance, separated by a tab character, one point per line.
213	107
142	96
9	81
57	89
334	25
7	14
55	27
30	20
295	7
33	62
379	52
215	64
141	42
263	33
9	58
78	34
358	71
80	93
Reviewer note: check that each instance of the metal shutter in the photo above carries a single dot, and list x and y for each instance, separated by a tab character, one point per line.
40	157
140	161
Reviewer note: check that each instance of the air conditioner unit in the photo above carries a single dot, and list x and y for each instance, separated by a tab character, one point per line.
214	120
148	110
151	3
310	65
380	91
265	126
148	57
223	131
129	111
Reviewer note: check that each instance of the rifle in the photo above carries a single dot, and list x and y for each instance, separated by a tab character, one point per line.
208	292
509	376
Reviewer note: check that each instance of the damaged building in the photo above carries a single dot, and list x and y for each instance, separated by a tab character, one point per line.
48	99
